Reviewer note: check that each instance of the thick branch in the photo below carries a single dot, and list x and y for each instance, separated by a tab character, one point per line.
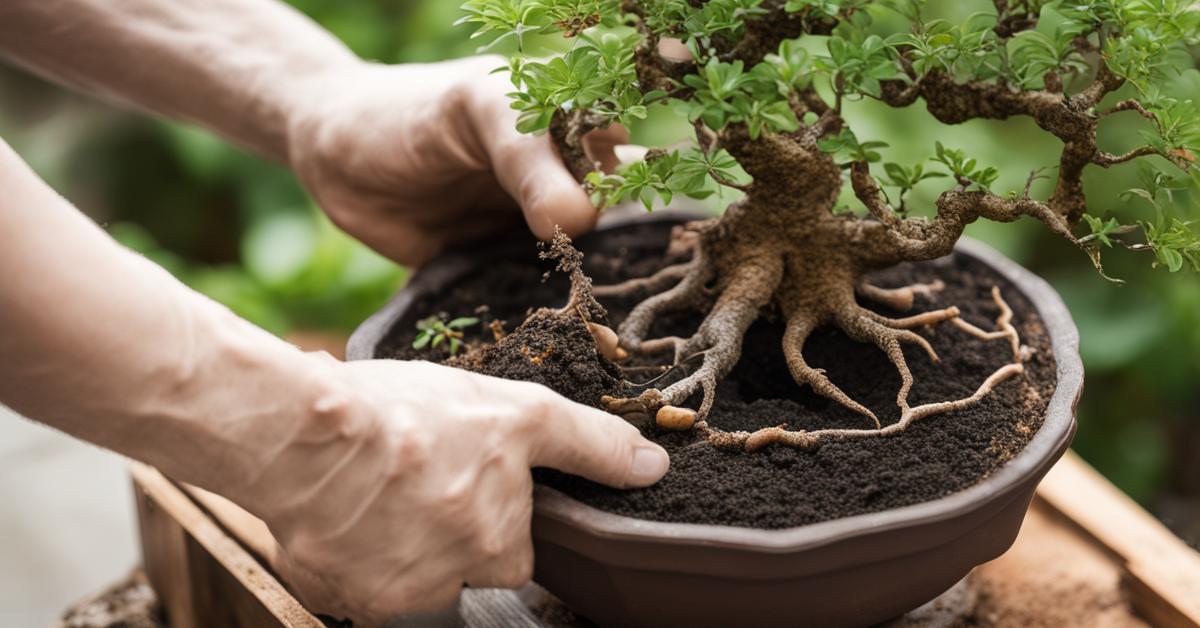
922	239
568	130
867	191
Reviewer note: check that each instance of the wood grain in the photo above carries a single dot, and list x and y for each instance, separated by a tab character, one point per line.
1162	572
1087	556
204	577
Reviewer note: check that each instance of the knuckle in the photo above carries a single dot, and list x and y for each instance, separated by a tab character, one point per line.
411	448
490	545
522	568
456	499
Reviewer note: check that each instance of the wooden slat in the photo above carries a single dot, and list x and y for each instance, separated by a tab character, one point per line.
245	527
1076	509
479	608
164	557
1162	572
221	583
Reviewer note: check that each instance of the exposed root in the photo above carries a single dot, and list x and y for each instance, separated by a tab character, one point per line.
888	339
1004	327
797	332
657	282
570	261
899	299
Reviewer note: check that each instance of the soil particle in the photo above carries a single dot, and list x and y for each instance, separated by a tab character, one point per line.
778	487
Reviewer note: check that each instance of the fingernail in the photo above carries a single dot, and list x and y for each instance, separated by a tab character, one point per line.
649	465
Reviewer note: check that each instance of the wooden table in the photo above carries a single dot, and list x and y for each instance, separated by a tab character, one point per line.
1087	555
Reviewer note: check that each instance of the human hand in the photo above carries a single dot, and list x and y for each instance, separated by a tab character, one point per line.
412	158
414	480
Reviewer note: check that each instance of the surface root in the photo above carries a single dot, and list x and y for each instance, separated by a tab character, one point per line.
884	334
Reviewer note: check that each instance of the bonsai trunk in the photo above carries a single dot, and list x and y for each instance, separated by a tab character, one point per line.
782	249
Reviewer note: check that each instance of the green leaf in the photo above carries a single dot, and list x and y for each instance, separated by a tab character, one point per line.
462	322
1170	258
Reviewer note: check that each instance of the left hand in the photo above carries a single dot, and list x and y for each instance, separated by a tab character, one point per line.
412	158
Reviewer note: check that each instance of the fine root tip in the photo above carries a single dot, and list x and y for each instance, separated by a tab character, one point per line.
606	342
675	418
953	311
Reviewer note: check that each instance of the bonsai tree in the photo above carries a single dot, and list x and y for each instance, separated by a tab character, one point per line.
763	84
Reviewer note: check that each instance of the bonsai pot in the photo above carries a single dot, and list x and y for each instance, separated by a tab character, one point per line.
853	571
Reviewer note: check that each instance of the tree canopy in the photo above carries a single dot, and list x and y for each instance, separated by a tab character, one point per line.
787	66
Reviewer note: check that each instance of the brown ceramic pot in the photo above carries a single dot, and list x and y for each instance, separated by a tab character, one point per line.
855	571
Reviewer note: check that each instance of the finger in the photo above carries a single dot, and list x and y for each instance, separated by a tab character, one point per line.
601	447
531	171
528	167
513	570
600	144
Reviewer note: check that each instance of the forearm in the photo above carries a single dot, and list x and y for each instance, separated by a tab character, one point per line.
235	66
103	344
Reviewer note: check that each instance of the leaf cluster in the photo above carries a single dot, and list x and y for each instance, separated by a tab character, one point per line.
724	94
434	331
662	175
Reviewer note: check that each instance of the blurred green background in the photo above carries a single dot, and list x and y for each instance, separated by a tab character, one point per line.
242	231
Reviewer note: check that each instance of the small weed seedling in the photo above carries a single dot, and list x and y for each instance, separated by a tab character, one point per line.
433	331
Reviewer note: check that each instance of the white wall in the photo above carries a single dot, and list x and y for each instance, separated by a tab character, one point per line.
67	523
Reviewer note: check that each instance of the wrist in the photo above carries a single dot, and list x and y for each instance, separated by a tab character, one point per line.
223	411
327	447
313	101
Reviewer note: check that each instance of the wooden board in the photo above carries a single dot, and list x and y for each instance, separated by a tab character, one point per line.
203	576
1086	556
1162	573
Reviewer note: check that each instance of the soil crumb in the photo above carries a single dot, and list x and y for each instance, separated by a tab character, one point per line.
778	487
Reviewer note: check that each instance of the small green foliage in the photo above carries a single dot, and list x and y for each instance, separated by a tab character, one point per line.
597	74
969	49
662	175
790	70
846	145
723	94
1177	128
1033	53
905	179
964	168
857	65
434	331
1173	240
1103	231
1012	47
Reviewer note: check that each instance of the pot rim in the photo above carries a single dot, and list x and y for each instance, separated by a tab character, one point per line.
1043	449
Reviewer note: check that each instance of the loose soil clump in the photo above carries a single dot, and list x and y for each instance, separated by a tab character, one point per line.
779	486
554	349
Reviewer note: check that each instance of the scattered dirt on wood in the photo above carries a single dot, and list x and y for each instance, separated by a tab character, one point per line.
779	487
130	603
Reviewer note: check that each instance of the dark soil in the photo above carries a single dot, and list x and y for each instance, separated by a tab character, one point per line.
778	487
553	349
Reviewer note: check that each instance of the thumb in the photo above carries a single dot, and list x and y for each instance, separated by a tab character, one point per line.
531	171
601	447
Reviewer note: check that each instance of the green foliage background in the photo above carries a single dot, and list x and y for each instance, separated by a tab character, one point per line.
242	231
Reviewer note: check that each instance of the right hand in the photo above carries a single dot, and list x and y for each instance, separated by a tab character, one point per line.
414	480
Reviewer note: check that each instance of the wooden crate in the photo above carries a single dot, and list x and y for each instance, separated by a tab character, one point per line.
1087	555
